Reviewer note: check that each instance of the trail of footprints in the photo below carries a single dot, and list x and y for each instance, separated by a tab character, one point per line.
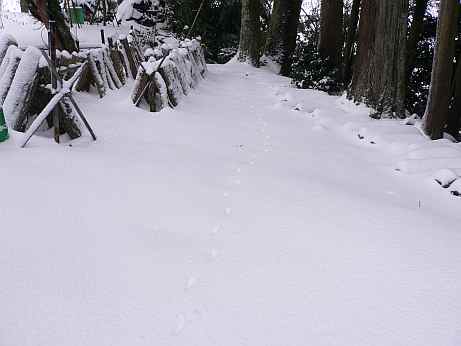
183	320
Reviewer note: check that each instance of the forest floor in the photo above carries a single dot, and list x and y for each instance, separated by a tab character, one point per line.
252	214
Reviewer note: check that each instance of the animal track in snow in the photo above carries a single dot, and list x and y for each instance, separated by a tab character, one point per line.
213	254
216	229
191	282
180	324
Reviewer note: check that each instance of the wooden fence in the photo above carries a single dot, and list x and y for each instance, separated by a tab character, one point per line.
163	76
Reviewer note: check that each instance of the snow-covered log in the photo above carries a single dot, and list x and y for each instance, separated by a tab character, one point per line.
8	69
94	74
140	84
181	66
161	93
19	96
118	65
129	54
6	40
68	120
112	74
171	76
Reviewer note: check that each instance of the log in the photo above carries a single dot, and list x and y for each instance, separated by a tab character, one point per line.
170	75
86	80
8	69
96	74
129	55
111	73
18	98
139	88
118	66
6	40
68	120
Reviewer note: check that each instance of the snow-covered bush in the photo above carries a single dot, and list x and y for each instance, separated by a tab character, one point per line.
310	71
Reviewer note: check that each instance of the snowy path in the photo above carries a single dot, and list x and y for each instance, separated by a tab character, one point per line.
233	220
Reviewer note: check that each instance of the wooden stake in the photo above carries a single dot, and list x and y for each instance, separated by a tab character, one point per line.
54	82
103	37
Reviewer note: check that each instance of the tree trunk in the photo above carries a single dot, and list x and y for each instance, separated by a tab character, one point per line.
281	41
415	33
350	39
454	116
250	32
379	73
44	10
24	6
436	115
331	31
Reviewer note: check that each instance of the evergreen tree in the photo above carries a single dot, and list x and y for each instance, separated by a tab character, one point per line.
436	115
250	32
331	37
281	41
379	70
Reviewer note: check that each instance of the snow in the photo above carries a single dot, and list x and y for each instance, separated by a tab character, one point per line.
233	219
21	85
8	69
29	32
445	177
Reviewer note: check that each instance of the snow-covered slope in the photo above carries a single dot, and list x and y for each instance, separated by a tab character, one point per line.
253	214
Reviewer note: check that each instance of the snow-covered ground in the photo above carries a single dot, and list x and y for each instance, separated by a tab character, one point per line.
30	32
253	214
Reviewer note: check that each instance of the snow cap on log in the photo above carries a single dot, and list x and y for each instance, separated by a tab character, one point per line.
8	69
16	102
6	40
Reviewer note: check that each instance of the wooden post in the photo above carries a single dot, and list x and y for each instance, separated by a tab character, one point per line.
103	38
104	10
110	41
54	82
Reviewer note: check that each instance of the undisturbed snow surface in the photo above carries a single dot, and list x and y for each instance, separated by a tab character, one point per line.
233	220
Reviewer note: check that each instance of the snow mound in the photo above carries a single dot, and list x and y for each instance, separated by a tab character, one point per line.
445	177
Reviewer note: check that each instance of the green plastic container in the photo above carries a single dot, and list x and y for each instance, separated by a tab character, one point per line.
77	15
3	127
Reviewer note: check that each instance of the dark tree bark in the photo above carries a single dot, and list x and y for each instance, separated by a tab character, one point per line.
436	115
454	116
379	70
415	33
250	32
331	38
281	41
350	40
44	10
24	6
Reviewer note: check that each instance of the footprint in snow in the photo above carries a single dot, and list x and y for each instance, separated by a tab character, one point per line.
213	254
216	230
191	282
180	324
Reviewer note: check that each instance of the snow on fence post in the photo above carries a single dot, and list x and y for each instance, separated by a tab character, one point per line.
129	55
170	75
8	69
112	74
114	55
6	40
96	75
19	96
